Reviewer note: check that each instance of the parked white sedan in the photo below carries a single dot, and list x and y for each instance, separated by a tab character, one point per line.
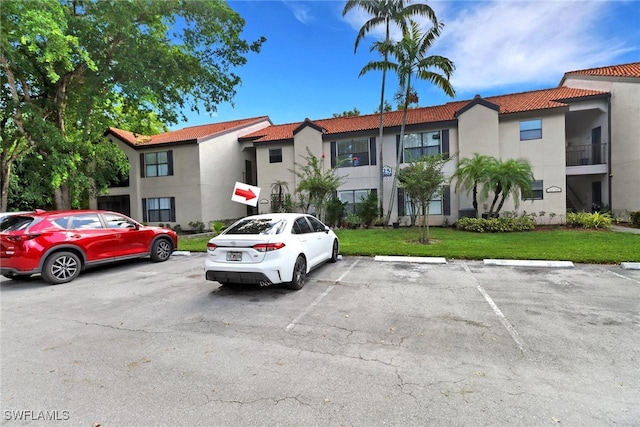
269	249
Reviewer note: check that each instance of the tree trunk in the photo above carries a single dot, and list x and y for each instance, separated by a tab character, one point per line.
61	197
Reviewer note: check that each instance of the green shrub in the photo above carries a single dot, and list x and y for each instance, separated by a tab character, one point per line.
367	209
496	225
334	212
589	220
635	218
353	220
197	226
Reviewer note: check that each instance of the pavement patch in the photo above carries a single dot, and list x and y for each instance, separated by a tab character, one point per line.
415	259
528	263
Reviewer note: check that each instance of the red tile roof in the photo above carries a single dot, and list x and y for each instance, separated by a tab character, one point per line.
188	134
623	70
513	103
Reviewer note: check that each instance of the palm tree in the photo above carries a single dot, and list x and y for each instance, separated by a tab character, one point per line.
386	12
411	58
506	178
471	173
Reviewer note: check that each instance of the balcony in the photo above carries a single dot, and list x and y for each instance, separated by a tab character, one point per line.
588	154
587	159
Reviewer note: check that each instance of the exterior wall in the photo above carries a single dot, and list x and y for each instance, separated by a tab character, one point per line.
478	132
546	157
204	175
268	173
625	137
133	190
222	164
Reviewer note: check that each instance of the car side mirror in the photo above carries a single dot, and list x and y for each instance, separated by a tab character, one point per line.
326	229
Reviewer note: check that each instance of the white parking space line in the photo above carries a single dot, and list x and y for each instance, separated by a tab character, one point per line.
319	298
512	331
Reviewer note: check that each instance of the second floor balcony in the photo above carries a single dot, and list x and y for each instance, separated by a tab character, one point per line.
587	154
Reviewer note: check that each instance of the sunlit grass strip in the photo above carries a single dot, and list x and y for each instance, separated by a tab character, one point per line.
598	247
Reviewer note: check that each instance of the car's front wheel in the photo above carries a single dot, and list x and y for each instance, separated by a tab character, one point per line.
161	250
61	267
334	252
299	274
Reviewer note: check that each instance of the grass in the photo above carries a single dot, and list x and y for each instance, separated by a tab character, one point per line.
582	246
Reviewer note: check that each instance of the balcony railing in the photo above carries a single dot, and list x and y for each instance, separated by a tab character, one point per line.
588	154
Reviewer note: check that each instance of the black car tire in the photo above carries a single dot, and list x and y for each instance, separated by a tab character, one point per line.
161	250
299	274
61	267
334	252
17	276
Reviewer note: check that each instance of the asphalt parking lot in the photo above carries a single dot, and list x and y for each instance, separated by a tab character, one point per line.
364	343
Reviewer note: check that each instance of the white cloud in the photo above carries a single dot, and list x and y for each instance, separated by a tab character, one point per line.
301	11
502	43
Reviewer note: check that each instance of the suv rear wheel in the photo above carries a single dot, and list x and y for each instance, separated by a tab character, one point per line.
61	267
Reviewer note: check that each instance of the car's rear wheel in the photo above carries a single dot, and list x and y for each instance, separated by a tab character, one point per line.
161	250
61	267
334	252
299	274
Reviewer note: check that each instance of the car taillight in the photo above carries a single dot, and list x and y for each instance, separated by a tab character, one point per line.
268	247
211	246
22	237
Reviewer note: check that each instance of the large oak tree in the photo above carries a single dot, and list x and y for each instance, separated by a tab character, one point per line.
71	68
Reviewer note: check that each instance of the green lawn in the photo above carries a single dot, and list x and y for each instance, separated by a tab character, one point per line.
584	246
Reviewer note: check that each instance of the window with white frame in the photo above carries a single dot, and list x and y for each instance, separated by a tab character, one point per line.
417	145
530	129
537	191
157	164
159	209
352	198
435	206
354	152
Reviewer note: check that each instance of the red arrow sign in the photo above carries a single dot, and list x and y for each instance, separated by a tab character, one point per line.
247	194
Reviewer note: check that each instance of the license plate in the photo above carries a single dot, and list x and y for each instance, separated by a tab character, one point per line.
234	256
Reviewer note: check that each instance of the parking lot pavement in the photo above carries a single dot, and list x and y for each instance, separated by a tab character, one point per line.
364	343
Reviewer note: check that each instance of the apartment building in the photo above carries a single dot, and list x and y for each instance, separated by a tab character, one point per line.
581	138
184	176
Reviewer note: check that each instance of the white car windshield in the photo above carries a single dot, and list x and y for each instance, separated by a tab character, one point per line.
257	226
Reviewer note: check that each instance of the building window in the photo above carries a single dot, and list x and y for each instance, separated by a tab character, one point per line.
156	164
353	153
417	145
410	208
530	129
275	155
353	198
160	209
537	191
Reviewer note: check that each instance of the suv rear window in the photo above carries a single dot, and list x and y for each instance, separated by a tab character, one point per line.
15	222
257	226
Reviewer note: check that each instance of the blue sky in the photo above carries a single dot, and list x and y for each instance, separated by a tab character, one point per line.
307	67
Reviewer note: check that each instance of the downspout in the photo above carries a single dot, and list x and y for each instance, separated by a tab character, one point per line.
609	170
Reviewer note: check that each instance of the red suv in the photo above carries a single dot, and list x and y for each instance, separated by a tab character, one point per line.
60	244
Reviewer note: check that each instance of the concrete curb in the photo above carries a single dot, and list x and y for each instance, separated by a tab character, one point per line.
181	253
529	263
630	265
415	259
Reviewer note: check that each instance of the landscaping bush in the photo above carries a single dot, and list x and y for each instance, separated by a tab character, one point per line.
496	225
635	218
367	209
595	220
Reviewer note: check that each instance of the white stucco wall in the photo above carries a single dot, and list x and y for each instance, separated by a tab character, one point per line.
625	136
